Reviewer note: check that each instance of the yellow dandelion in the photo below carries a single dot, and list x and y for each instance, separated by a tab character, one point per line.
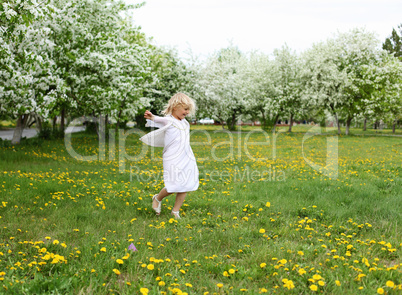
302	271
116	271
317	277
313	288
390	284
150	266
288	284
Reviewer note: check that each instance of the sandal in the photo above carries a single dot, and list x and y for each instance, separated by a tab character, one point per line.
157	209
176	214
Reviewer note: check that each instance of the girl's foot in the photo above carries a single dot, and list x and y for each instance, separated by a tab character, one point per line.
156	204
176	214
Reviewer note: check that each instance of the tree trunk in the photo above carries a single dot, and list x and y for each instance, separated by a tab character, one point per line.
232	122
140	121
348	121
290	122
21	122
38	122
97	124
117	126
106	125
263	120
275	121
54	121
393	126
337	123
63	115
365	124
119	116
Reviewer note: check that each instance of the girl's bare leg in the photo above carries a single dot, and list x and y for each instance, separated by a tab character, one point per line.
179	201
162	194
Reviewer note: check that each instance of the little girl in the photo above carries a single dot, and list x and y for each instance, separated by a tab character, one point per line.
180	171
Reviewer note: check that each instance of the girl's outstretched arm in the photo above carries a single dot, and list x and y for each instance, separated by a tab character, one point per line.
160	120
148	115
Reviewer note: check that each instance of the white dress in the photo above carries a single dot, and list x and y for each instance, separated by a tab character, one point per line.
180	171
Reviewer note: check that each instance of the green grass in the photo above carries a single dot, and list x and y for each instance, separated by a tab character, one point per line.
301	128
274	225
6	124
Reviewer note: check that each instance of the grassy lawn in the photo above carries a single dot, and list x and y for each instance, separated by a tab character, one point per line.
6	124
283	214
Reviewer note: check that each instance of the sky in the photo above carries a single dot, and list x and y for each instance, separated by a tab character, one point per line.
205	26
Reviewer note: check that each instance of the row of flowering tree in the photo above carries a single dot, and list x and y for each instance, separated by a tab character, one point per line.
346	77
79	57
85	57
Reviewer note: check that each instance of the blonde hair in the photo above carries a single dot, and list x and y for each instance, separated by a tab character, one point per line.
179	100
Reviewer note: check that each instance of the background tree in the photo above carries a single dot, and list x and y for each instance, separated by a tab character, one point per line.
105	72
358	49
322	80
393	44
261	79
171	76
27	68
335	73
288	103
383	91
220	86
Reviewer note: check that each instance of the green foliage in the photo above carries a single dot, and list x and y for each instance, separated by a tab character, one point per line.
46	131
393	44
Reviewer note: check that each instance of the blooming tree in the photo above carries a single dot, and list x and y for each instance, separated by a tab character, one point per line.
219	86
261	77
382	90
26	69
104	69
171	76
357	50
288	103
345	74
322	80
